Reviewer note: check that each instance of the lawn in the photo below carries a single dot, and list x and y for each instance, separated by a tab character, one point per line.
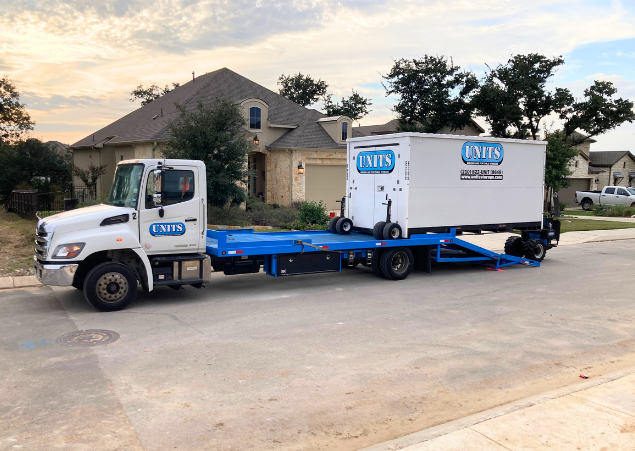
16	238
577	213
579	225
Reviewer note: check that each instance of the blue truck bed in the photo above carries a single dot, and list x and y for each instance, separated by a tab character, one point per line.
245	243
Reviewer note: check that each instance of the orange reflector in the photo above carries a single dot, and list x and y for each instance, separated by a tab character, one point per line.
119	239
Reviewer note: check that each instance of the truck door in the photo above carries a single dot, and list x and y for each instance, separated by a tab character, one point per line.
622	197
178	230
608	196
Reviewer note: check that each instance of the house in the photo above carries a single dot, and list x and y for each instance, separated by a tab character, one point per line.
473	129
299	153
593	170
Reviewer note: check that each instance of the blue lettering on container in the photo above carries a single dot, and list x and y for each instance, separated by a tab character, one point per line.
482	153
376	162
167	229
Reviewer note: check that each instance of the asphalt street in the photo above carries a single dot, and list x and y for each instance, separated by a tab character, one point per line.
330	361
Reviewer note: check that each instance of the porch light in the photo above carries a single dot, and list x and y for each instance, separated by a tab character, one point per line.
256	140
300	168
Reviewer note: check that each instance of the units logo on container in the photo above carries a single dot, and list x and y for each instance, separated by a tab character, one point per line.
376	162
482	153
167	229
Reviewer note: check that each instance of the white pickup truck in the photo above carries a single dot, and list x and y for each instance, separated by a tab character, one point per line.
610	195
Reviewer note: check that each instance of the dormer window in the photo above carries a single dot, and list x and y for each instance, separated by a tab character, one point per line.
254	118
344	131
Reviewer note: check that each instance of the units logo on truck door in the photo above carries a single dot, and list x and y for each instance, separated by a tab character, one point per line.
482	153
376	162
167	229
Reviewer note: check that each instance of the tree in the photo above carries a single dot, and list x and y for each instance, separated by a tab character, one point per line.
91	175
597	113
514	99
355	106
560	152
151	93
214	134
432	93
14	119
302	89
32	163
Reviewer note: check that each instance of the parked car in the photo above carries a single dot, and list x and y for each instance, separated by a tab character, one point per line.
610	195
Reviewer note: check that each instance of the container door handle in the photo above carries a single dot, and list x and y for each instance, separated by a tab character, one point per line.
190	219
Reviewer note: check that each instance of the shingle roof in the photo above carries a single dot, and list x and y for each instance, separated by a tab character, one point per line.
139	125
391	127
608	158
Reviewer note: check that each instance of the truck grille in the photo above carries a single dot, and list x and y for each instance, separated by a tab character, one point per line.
42	243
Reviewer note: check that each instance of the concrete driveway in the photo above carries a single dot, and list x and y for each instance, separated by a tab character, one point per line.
331	361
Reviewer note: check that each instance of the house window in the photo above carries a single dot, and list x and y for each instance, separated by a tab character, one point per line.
576	164
254	117
624	166
344	131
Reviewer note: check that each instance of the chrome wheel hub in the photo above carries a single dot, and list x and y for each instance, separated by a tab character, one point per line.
112	287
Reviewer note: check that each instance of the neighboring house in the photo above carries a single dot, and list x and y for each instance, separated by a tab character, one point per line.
300	154
391	127
59	147
593	170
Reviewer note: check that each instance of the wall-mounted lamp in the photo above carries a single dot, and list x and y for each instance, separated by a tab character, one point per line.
597	180
300	168
256	140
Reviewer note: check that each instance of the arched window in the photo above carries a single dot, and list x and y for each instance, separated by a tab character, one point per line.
254	117
344	131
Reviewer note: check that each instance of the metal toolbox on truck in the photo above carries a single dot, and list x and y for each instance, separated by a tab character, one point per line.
437	182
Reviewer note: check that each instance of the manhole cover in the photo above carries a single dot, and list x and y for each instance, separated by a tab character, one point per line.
88	338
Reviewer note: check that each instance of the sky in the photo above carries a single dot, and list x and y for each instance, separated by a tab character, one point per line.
76	61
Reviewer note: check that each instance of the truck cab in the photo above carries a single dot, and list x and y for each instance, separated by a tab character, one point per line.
152	230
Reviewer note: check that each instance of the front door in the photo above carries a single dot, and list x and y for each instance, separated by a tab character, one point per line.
178	231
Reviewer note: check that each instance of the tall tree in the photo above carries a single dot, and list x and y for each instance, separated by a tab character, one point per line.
514	98
15	121
432	93
90	175
560	152
596	113
355	106
32	163
150	93
214	134
302	89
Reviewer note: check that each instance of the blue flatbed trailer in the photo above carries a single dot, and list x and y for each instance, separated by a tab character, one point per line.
297	252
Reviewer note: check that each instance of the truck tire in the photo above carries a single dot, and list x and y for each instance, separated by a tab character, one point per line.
515	246
586	204
378	230
344	226
333	224
392	231
535	250
110	286
376	262
396	263
633	205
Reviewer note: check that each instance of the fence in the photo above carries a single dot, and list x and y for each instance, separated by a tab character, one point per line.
28	203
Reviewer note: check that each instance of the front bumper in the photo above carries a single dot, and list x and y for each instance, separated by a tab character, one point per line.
56	275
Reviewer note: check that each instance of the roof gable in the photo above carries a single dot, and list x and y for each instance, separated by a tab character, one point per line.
608	158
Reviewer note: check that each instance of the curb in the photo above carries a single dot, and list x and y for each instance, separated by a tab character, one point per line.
8	283
495	412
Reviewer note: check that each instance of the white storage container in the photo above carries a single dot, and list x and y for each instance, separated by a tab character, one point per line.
436	182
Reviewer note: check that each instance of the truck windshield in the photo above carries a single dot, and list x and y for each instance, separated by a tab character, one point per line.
125	188
631	190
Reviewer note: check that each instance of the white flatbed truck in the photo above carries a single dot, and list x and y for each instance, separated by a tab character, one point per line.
153	232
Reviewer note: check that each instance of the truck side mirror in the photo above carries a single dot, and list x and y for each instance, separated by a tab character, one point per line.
157	187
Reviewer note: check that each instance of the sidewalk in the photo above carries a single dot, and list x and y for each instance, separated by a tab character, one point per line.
593	415
602	218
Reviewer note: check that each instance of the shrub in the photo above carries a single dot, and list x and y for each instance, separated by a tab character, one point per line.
299	225
255	213
613	210
313	213
563	206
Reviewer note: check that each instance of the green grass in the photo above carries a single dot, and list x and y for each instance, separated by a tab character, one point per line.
581	225
577	213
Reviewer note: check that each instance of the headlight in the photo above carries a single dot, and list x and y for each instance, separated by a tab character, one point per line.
68	250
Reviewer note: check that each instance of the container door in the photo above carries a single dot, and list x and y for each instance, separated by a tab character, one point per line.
361	199
384	162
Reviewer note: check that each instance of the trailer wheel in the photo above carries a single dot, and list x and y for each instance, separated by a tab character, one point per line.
515	246
392	231
396	263
378	230
110	286
376	262
344	226
586	204
535	250
333	224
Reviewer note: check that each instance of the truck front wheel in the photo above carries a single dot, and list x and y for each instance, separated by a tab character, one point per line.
110	286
